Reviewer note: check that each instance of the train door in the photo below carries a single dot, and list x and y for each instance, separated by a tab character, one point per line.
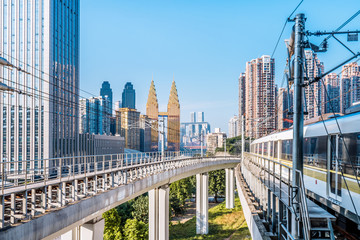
334	162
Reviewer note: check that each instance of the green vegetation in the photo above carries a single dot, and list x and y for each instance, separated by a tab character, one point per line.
217	183
130	220
223	224
233	145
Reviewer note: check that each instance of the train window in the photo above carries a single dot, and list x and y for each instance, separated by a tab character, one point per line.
275	149
265	148
286	147
272	149
315	151
349	150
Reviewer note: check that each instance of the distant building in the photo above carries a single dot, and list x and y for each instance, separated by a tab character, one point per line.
313	92
215	140
95	115
117	105
145	134
106	91
94	144
193	117
234	125
171	119
200	117
128	96
191	131
260	97
284	102
242	94
330	99
350	85
128	126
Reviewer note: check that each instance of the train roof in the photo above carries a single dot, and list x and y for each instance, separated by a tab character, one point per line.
348	124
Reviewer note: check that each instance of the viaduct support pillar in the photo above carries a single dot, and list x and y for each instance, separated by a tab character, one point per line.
229	188
202	203
159	213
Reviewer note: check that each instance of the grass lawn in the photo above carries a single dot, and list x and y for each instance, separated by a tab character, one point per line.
223	224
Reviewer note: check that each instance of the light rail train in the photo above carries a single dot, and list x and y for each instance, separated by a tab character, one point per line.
331	163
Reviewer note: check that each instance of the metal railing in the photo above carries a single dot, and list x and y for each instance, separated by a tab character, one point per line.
22	173
304	211
278	178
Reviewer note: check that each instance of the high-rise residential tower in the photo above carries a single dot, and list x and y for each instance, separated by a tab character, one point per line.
330	99
234	124
106	90
350	85
173	111
260	97
242	94
313	92
128	96
41	37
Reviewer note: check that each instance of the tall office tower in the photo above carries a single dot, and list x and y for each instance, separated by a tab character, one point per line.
330	99
152	111
41	37
313	92
128	127
350	85
106	90
200	117
260	97
234	124
95	116
173	111
192	117
128	96
145	133
284	106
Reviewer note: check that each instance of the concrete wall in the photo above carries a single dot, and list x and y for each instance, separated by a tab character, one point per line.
256	228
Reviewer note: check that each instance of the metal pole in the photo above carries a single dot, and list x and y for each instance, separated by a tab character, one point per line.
202	141
163	140
225	147
298	124
242	137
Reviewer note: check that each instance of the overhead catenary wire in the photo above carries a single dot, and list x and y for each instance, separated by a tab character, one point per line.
282	30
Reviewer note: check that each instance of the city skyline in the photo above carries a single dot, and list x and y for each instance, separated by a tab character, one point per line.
204	59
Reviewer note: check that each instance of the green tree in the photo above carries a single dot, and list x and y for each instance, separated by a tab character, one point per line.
141	208
179	192
217	183
112	229
135	230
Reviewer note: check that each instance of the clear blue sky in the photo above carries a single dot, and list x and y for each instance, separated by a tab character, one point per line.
204	44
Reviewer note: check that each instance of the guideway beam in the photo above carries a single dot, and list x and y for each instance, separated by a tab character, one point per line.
159	213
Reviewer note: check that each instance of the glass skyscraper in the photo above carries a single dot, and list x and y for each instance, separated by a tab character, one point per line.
128	96
41	37
106	90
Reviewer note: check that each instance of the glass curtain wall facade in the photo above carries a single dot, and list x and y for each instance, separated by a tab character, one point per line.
42	38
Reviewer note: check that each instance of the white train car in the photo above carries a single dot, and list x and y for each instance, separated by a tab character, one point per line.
331	162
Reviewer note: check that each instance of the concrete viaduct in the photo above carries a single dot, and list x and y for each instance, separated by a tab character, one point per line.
70	204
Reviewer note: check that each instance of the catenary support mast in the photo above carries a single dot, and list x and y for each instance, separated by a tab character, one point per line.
298	124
